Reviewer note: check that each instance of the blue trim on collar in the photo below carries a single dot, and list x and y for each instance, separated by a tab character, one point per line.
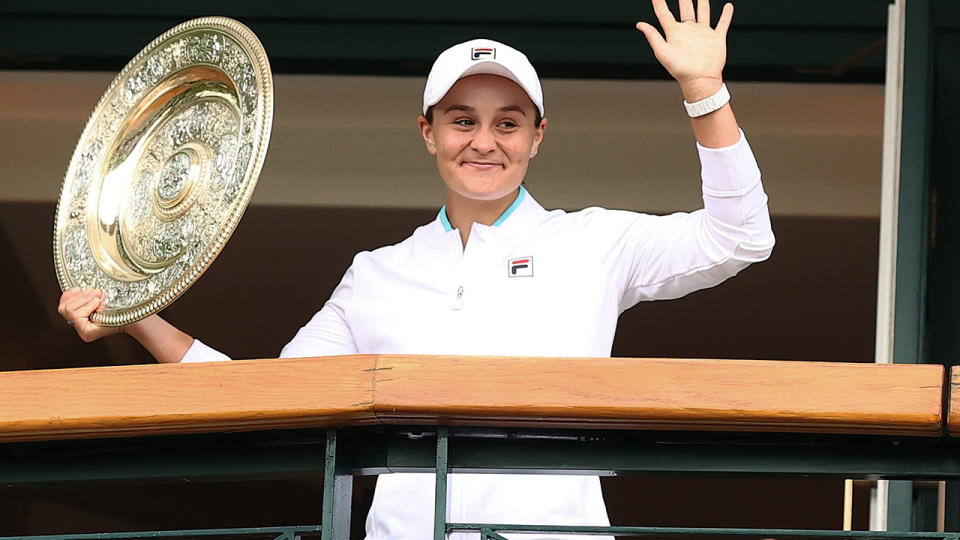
516	202
444	220
503	217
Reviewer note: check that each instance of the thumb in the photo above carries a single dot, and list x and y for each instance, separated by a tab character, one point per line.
654	38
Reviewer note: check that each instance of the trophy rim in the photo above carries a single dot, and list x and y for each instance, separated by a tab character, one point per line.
254	51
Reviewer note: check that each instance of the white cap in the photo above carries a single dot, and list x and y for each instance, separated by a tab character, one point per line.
481	56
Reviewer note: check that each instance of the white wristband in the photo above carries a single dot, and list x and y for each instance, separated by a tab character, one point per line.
709	104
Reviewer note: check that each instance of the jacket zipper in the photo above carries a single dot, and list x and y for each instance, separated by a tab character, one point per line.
458	296
458	303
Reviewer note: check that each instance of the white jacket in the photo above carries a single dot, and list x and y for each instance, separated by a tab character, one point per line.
535	283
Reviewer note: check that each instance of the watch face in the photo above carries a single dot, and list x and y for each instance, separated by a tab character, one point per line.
165	168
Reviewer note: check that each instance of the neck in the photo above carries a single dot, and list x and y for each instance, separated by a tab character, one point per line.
463	212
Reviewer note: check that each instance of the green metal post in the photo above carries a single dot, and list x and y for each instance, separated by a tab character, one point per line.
337	492
900	506
440	500
944	298
913	222
913	227
952	507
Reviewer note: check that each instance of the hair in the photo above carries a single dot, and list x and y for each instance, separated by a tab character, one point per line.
536	115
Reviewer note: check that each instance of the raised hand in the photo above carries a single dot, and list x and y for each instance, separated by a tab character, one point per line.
691	51
77	305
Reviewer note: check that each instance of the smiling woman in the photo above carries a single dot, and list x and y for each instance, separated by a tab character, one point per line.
483	149
443	290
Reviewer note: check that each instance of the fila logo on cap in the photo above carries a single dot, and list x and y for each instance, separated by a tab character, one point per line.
480	53
520	267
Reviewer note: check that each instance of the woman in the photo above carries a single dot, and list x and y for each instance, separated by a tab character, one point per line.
451	287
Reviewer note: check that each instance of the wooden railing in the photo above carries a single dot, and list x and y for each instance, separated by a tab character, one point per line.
591	393
478	414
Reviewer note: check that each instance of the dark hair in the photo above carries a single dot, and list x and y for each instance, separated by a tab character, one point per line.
536	115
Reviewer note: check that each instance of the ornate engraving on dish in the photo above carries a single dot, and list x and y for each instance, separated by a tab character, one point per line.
165	167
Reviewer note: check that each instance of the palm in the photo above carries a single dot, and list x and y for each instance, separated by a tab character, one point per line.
689	48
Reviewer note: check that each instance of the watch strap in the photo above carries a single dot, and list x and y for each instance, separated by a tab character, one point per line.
709	104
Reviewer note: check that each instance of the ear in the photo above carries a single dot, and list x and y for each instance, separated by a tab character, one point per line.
538	137
426	130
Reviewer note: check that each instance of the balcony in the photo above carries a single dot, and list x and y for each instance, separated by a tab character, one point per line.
377	414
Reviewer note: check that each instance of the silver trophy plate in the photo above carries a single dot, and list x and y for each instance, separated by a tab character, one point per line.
165	168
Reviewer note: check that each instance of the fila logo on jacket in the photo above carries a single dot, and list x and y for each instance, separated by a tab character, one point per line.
520	267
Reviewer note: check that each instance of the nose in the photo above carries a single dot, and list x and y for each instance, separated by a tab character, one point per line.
484	140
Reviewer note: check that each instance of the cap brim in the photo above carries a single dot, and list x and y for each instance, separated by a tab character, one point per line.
487	67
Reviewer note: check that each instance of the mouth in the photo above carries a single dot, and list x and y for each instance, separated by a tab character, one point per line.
481	165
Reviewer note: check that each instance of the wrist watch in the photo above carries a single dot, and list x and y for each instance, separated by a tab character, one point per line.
709	104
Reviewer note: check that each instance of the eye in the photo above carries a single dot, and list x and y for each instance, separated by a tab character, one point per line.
464	122
508	125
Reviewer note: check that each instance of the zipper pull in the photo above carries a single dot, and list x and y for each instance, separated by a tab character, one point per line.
458	303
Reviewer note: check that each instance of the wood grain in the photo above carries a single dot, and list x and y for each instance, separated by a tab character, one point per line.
953	416
741	395
596	393
185	398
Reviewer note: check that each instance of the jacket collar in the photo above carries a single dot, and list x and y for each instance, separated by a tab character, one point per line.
524	210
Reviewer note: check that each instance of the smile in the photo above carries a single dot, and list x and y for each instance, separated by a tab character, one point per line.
481	165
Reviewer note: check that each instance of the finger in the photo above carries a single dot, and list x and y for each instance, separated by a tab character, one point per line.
664	15
725	17
686	11
84	292
654	38
69	300
75	304
64	298
88	308
703	12
71	292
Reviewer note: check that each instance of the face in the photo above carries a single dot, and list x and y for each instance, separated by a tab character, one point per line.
483	134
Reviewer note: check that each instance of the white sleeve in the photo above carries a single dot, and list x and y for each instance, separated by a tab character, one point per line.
201	352
671	256
327	333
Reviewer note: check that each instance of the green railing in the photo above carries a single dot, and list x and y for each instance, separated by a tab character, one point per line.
344	452
273	533
492	532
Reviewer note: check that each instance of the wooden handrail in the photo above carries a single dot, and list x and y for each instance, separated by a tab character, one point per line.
185	398
953	416
591	393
